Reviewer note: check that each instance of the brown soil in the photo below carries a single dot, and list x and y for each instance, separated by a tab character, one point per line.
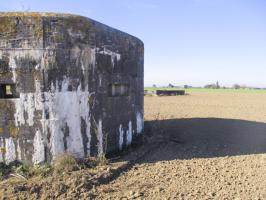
199	146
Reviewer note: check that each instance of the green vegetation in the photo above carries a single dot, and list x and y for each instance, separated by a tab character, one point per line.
4	170
68	163
23	170
189	90
28	171
64	163
101	160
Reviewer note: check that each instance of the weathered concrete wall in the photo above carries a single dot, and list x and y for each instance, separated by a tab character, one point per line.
67	84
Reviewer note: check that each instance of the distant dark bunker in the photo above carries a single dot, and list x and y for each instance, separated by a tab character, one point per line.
67	84
170	92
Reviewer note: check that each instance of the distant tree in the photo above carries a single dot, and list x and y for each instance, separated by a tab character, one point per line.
207	86
187	86
217	85
154	86
171	85
236	86
243	86
211	86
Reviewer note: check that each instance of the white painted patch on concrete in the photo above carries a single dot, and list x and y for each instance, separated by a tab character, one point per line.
29	105
38	145
129	134
12	65
19	157
114	55
140	122
19	113
25	104
100	138
10	149
121	137
76	103
93	58
65	108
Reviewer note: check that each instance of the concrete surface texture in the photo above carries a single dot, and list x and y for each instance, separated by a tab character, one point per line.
67	84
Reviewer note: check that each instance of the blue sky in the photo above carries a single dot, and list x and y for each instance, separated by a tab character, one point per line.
193	42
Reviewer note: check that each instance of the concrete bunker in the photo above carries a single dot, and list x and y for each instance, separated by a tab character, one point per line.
67	84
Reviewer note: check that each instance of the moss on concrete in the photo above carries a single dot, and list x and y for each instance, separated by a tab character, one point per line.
7	25
13	131
34	14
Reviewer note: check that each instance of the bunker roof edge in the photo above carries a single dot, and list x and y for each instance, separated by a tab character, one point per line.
61	15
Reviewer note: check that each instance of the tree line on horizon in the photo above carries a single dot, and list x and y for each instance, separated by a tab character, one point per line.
210	86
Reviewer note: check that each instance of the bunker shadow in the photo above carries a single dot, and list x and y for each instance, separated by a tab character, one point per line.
171	139
205	138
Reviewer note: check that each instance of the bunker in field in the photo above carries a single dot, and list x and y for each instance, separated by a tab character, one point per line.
170	92
67	84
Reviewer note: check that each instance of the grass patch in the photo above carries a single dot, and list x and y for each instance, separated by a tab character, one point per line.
64	163
221	90
68	163
23	170
4	170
